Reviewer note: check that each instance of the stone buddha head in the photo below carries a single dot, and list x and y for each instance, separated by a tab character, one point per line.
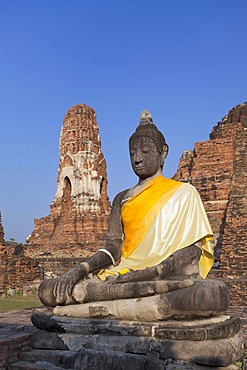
148	148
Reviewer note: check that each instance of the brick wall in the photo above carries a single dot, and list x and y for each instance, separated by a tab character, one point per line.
1	231
11	348
218	169
16	270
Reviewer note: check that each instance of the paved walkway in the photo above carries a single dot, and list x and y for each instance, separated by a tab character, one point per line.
13	322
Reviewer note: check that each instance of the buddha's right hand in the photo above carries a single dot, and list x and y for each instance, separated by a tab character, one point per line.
64	285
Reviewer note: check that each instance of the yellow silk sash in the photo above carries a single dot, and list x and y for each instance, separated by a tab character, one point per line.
207	258
163	218
139	212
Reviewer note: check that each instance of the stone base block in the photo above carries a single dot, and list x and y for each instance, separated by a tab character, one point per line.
209	342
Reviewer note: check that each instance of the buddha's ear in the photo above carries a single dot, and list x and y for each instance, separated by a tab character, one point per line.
164	152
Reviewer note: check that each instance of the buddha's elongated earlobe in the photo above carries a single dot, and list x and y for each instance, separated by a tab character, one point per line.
163	155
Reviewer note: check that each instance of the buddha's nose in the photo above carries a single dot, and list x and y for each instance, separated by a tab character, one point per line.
138	157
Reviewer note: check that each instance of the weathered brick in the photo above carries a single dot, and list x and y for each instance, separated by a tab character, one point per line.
16	270
77	224
218	169
80	210
1	231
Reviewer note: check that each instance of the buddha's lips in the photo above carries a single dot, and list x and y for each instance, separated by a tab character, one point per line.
139	167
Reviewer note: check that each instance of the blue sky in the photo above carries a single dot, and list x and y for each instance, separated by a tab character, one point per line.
185	61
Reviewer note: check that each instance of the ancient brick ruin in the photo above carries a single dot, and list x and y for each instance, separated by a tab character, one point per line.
78	220
16	270
218	169
77	224
1	231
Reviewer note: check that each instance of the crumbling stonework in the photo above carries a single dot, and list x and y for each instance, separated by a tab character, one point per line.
22	273
78	220
16	270
1	231
79	215
218	169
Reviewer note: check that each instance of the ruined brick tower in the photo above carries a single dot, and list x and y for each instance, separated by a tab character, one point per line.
218	169
1	231
80	210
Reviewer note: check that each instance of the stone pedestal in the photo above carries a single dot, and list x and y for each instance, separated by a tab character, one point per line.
115	344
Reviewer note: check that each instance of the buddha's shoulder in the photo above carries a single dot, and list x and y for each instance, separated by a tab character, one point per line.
119	197
187	189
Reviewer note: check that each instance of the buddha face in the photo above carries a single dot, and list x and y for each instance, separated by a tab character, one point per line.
145	158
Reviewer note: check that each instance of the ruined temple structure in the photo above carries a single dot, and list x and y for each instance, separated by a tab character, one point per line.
218	169
79	214
1	231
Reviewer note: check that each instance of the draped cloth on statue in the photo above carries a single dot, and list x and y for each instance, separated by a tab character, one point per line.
162	218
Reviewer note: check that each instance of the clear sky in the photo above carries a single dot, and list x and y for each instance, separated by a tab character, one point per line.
184	60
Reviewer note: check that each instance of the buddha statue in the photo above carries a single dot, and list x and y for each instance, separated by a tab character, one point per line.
157	253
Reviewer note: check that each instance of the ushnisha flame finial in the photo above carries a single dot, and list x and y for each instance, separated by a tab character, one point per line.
146	118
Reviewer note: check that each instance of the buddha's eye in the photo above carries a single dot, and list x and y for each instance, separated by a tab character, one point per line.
145	149
132	152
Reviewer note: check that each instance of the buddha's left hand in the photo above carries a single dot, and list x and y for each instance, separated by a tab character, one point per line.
65	284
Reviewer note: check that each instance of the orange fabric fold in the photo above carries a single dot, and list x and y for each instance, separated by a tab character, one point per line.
140	211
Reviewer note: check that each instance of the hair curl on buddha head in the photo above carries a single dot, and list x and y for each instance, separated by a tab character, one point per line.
147	128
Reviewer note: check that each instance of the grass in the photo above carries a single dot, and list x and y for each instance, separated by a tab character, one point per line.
18	302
